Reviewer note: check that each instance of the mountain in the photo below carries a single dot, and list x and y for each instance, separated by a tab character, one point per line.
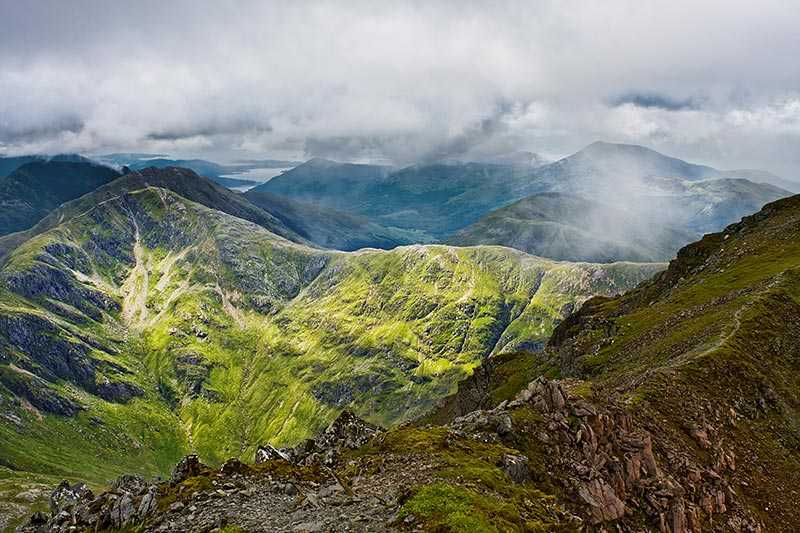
341	186
431	199
673	407
704	353
216	172
762	176
610	202
148	326
37	187
179	180
439	199
10	164
209	169
566	227
330	228
615	172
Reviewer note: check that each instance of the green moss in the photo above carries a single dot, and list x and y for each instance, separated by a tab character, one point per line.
450	508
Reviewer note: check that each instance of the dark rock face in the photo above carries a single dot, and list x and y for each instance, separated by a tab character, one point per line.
49	357
118	391
192	371
45	281
54	357
343	392
38	393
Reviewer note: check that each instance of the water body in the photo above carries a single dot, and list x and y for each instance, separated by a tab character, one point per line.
256	175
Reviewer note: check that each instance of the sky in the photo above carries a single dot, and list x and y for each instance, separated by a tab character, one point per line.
714	82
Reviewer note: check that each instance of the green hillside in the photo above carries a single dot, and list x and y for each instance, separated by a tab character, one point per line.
150	326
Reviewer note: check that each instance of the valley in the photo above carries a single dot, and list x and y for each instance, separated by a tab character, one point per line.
183	329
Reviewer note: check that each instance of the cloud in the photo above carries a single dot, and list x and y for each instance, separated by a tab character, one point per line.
401	81
656	101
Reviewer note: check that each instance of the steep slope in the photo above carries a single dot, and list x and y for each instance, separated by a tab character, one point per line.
330	228
705	357
571	228
35	188
150	325
179	180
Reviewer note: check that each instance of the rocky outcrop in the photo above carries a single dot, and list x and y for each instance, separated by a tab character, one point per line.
189	466
610	468
347	432
75	508
36	391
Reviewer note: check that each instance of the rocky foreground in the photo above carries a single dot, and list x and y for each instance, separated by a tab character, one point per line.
547	460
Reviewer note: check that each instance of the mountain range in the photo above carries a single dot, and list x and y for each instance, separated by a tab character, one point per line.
519	377
137	325
439	200
671	407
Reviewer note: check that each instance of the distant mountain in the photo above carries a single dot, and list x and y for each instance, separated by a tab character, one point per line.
31	191
214	171
330	228
637	203
566	227
709	205
434	199
182	181
517	158
762	176
608	168
268	163
343	186
10	164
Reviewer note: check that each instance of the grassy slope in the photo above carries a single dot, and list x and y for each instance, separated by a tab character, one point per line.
287	335
712	343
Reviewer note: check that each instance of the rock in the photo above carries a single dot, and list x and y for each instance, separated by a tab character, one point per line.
118	391
603	503
176	507
122	511
496	421
309	527
187	467
131	484
149	503
347	431
65	496
516	466
235	466
268	453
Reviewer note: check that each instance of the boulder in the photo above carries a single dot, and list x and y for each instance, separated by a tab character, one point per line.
187	467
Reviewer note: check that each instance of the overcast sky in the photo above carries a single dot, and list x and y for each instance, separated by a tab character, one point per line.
713	82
